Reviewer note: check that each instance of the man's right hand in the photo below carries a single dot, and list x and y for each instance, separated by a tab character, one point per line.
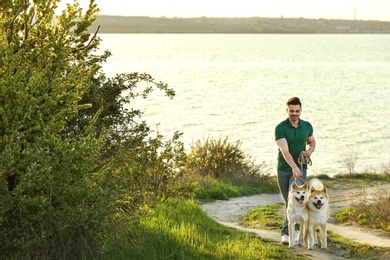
296	172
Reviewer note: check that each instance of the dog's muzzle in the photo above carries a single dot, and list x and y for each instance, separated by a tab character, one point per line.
318	205
300	200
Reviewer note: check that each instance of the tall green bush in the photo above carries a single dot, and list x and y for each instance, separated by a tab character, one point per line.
76	160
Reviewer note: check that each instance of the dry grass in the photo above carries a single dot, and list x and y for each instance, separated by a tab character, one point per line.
370	208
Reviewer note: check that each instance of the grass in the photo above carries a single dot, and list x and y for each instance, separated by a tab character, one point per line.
269	218
265	217
224	171
362	178
353	180
211	189
354	250
374	214
181	230
366	211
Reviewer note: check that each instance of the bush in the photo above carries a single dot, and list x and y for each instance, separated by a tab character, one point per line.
223	160
345	214
369	210
76	163
224	171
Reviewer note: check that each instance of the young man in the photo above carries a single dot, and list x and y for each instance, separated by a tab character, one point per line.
292	137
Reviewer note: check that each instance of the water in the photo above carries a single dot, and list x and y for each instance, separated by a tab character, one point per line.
236	85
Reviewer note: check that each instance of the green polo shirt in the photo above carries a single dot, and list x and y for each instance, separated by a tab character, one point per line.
296	140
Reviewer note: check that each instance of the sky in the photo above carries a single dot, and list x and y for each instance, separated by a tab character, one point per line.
327	9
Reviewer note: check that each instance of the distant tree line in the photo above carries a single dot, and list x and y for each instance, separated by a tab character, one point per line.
131	24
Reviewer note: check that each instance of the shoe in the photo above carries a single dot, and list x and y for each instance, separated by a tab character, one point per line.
285	240
297	232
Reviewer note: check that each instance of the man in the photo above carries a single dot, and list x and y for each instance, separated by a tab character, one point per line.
292	137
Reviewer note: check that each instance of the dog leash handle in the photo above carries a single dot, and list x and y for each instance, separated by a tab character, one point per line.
303	160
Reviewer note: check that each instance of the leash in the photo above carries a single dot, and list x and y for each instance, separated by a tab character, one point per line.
300	178
303	160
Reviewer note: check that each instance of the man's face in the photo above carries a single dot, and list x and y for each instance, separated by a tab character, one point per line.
294	112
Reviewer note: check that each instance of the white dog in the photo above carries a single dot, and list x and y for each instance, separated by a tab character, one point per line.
297	211
318	205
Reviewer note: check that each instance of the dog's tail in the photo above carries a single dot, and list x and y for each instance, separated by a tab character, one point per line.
316	183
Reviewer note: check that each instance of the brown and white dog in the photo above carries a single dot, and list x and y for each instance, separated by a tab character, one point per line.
297	211
319	212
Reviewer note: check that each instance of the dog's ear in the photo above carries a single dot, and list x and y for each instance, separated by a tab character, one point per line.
325	190
294	185
305	185
312	189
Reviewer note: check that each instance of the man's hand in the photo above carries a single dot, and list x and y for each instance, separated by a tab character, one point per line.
307	154
296	172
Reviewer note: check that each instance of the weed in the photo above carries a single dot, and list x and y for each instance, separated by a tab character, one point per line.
349	160
385	170
370	210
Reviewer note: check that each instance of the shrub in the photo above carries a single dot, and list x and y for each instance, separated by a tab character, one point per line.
223	160
370	210
75	162
345	214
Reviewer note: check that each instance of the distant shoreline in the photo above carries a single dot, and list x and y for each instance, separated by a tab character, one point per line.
250	25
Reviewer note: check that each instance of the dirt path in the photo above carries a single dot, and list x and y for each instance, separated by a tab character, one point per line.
229	212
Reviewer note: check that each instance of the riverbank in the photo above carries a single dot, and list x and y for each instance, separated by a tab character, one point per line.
247	25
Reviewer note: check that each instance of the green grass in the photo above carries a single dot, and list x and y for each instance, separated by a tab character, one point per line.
269	218
181	230
356	250
211	189
363	177
265	217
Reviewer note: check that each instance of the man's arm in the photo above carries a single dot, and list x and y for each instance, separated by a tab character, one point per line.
310	145
283	147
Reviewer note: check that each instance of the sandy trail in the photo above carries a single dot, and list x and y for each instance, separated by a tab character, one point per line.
229	213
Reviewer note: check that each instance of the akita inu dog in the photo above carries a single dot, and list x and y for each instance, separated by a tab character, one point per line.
297	211
319	212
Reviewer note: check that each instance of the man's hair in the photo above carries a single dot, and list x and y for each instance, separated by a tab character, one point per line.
294	101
